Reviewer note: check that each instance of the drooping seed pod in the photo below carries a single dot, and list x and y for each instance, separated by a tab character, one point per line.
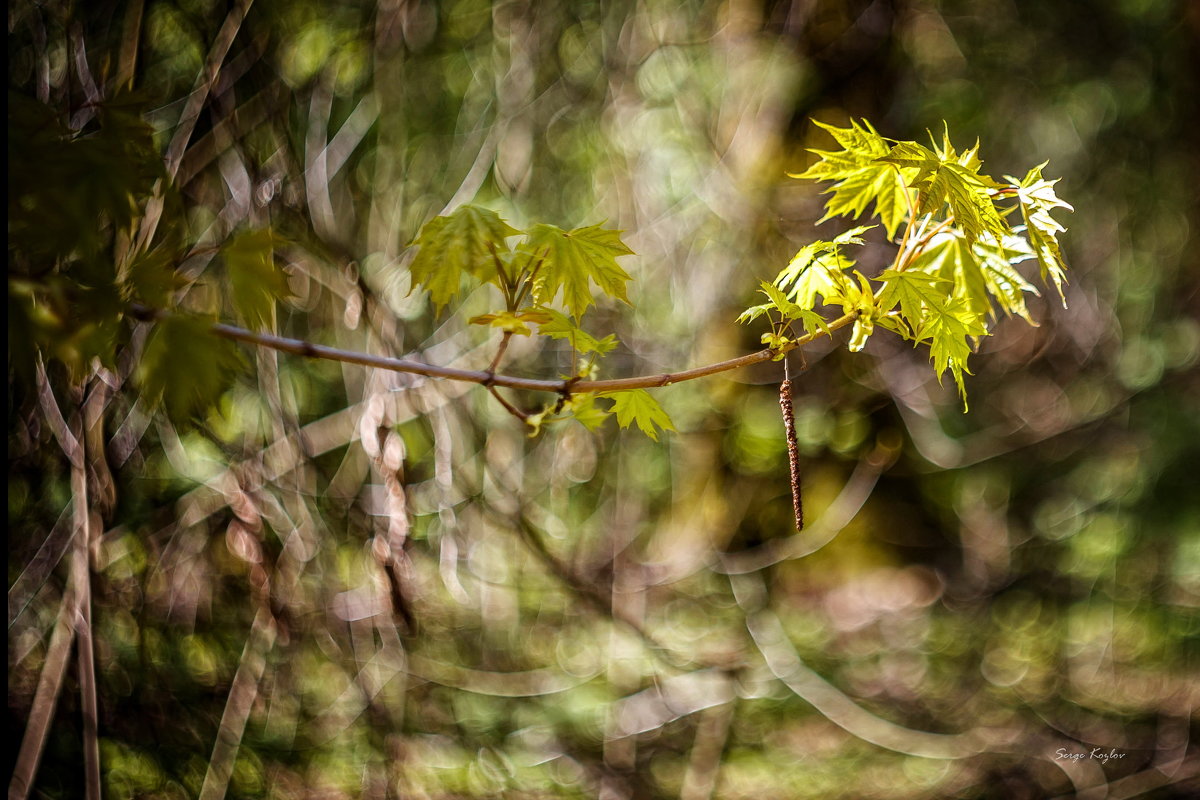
789	425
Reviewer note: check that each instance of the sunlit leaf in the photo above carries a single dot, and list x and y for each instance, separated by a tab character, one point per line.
816	270
575	259
949	330
515	322
915	291
1038	199
945	176
639	406
861	178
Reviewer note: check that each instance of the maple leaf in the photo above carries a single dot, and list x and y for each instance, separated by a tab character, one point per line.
639	406
512	321
185	367
256	283
915	291
949	330
573	260
997	263
816	271
584	409
945	176
1037	199
151	277
558	325
460	243
979	271
861	178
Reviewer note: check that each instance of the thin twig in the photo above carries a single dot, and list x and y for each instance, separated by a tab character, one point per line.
308	349
237	708
509	407
793	448
187	120
45	699
81	583
131	32
504	340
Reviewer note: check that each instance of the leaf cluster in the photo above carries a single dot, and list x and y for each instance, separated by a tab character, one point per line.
548	264
77	267
956	259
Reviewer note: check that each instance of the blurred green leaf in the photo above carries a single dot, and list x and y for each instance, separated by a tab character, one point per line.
584	409
186	368
558	325
255	281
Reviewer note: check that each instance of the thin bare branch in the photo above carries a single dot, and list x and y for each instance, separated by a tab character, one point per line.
191	113
237	708
309	350
81	585
781	658
131	33
35	573
45	699
58	425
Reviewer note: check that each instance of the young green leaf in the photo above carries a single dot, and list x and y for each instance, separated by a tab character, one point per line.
585	411
459	243
512	321
816	271
558	325
979	271
1037	199
639	406
573	260
255	281
945	176
916	292
861	178
949	330
860	298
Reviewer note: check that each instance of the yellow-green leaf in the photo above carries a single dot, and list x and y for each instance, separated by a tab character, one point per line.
584	409
861	178
558	325
459	243
1037	199
639	406
512	321
575	259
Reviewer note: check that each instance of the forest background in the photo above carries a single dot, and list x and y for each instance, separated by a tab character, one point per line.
303	578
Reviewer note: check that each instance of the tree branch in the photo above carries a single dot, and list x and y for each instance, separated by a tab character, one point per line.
307	349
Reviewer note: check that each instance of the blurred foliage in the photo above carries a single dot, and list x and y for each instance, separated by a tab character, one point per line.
312	579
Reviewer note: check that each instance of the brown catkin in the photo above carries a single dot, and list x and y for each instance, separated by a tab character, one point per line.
789	424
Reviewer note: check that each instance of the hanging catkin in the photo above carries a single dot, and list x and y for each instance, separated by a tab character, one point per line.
789	424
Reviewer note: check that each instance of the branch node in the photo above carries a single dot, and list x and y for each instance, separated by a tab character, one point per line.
564	393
